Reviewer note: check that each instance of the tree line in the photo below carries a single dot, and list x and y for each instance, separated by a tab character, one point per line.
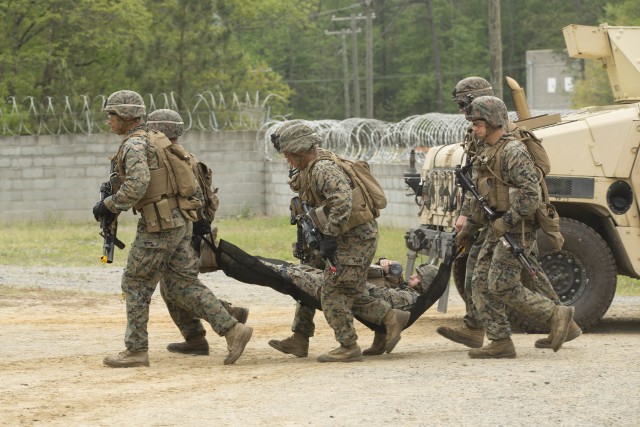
419	49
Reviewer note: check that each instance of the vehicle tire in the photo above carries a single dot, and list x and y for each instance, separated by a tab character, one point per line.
583	273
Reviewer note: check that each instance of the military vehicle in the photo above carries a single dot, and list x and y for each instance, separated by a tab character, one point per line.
593	183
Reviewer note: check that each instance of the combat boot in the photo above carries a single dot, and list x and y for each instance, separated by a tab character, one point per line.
297	344
377	348
498	349
470	337
237	338
198	346
239	313
560	321
127	359
574	332
394	321
342	354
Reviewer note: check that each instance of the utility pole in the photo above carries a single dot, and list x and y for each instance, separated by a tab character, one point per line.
345	69
354	59
369	59
495	47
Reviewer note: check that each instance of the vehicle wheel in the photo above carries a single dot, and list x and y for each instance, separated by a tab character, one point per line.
583	273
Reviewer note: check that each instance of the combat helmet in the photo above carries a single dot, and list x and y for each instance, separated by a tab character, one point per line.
126	104
166	121
298	139
427	274
474	86
279	128
490	109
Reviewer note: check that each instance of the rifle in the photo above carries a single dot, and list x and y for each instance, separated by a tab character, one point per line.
412	177
465	182
308	233
109	226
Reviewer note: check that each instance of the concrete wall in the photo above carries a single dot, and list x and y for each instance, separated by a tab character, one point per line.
58	176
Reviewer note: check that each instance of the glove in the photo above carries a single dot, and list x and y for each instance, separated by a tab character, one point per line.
329	247
202	227
464	238
499	228
101	211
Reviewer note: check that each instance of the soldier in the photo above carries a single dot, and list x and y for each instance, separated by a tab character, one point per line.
161	249
507	177
471	235
171	124
350	238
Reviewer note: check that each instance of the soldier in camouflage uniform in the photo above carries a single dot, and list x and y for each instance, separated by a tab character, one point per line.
171	124
401	296
471	235
350	237
161	249
507	179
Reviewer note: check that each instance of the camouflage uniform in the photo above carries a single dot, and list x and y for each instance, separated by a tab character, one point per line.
166	255
310	280
465	91
496	278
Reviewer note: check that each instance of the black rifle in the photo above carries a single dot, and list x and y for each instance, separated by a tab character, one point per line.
465	182
412	177
109	225
308	233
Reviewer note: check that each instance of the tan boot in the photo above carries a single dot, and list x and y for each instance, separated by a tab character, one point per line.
342	354
470	337
377	348
237	338
394	321
297	344
127	359
560	322
198	346
239	313
574	332
498	349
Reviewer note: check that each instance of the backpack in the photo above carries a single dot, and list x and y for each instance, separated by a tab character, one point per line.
204	176
536	150
359	173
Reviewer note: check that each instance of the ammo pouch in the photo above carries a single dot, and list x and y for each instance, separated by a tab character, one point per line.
549	222
158	215
189	206
208	260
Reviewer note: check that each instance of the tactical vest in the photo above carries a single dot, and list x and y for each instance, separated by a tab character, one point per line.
490	183
360	213
166	189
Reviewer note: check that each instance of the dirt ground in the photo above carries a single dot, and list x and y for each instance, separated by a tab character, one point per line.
55	329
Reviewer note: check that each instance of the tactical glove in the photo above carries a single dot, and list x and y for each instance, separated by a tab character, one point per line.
329	247
202	227
101	211
464	238
499	228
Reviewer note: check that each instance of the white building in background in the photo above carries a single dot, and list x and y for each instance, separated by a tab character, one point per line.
550	76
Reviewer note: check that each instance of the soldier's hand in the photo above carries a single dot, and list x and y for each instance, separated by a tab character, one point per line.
465	236
499	228
202	227
101	211
329	247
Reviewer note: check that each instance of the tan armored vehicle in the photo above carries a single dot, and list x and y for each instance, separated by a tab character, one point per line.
593	183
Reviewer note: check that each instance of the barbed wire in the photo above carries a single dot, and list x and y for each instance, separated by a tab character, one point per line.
382	142
206	111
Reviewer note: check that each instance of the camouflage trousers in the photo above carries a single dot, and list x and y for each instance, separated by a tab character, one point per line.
496	284
169	256
539	284
345	292
310	280
189	325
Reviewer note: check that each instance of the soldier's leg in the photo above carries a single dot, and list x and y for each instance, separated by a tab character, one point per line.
190	326
471	316
540	283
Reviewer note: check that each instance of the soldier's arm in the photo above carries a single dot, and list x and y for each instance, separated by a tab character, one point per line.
519	169
332	183
137	176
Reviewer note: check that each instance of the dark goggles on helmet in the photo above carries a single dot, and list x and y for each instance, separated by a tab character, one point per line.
275	140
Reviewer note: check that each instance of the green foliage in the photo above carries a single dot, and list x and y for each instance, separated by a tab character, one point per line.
248	47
